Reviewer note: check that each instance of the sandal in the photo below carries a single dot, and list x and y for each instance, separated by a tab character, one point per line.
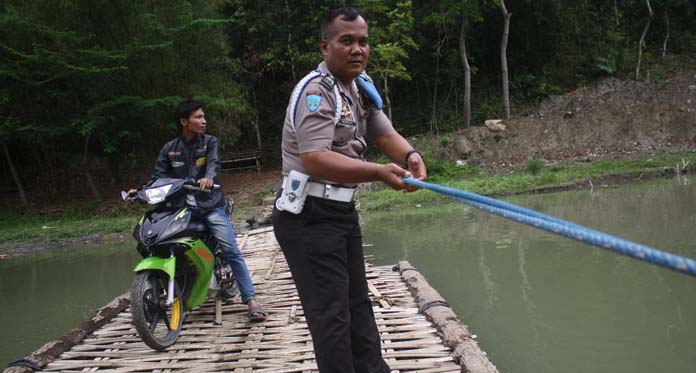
256	314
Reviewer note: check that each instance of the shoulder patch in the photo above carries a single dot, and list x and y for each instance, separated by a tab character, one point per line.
296	95
313	100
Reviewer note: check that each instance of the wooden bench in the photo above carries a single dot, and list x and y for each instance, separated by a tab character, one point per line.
242	160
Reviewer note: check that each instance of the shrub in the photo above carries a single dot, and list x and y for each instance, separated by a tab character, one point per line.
439	171
534	166
444	141
263	193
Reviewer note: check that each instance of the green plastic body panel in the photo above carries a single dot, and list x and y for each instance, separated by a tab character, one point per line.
167	265
201	257
204	260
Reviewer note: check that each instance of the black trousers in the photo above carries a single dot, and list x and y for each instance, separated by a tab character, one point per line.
323	248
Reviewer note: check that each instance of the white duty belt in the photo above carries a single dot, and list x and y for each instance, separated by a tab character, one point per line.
328	191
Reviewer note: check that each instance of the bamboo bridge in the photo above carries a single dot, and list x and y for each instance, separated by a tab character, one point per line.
419	332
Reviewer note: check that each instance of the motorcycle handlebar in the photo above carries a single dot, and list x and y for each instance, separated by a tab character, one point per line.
198	189
128	197
190	186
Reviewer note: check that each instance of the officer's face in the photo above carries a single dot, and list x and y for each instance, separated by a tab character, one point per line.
195	123
346	51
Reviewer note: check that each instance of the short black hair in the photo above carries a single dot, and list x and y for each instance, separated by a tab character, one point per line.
184	109
347	13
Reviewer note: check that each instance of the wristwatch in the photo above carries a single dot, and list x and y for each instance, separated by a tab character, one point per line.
409	154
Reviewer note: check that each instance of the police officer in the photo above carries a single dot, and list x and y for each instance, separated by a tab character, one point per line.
327	121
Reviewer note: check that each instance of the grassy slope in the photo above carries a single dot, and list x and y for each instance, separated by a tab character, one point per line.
75	223
523	180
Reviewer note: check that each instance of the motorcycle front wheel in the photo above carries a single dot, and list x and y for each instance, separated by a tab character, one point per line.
157	323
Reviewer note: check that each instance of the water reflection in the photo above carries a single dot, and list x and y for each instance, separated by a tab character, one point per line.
544	303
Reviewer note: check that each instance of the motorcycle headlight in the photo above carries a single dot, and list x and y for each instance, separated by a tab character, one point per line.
156	195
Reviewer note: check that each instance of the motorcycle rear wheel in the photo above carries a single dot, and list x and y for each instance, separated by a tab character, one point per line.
158	325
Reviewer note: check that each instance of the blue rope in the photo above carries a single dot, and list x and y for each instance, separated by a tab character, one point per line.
564	228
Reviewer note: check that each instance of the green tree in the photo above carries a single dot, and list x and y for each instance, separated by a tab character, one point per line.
470	15
98	77
391	26
276	43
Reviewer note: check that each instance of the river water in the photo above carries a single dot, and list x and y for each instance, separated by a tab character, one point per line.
538	302
44	296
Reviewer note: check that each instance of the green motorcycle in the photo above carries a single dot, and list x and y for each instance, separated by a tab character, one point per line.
183	265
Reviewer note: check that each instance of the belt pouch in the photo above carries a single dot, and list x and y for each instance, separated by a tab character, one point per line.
294	193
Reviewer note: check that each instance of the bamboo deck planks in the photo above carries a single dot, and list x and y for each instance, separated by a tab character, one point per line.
280	344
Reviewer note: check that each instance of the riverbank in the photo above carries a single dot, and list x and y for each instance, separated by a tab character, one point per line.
36	234
539	177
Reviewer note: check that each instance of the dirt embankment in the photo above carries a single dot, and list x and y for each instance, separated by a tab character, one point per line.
610	118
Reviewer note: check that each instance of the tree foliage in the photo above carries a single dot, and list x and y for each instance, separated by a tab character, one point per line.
111	69
91	83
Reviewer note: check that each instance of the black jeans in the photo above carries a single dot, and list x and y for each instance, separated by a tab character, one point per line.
323	248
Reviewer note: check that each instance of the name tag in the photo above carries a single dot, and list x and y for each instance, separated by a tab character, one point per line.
346	122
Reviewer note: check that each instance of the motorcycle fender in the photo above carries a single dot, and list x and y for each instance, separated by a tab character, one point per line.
167	265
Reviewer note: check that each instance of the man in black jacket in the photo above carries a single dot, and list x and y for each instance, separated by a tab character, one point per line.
194	154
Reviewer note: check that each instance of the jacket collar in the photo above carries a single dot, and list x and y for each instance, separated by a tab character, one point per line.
194	139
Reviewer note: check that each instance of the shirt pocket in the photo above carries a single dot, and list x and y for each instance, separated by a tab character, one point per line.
343	134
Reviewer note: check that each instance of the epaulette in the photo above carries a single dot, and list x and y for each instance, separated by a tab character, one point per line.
328	82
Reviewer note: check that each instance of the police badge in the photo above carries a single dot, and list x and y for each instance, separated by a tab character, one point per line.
313	100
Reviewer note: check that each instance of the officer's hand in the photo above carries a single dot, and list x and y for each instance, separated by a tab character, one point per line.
417	168
205	183
392	175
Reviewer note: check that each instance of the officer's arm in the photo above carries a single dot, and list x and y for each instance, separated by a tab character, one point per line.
338	168
395	146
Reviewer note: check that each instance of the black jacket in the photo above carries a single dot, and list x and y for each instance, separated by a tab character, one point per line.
197	159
